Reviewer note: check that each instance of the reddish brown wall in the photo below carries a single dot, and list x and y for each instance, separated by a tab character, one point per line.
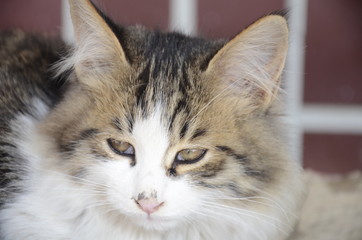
334	52
45	15
33	15
227	17
148	13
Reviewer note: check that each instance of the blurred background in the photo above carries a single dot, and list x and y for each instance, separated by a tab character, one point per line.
324	69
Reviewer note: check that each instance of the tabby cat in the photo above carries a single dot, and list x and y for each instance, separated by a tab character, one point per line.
144	135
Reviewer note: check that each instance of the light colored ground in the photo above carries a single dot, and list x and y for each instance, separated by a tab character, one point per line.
333	208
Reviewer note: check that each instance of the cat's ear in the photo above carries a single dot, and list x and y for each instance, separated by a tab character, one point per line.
98	53
250	65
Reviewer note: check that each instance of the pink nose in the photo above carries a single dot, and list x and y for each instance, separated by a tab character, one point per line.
149	205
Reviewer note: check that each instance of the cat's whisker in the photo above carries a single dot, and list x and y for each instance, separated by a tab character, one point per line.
77	179
270	198
236	209
248	213
254	200
230	216
200	215
98	204
277	203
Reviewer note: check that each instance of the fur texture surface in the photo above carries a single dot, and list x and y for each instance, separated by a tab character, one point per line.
153	135
332	209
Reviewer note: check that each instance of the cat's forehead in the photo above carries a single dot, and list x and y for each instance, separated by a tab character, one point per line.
170	50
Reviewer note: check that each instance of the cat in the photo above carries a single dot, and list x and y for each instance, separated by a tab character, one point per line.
137	134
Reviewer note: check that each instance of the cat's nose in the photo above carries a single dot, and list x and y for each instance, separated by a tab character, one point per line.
149	205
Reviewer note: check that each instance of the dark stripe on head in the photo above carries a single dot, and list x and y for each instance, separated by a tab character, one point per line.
181	106
184	85
198	133
230	152
141	90
184	129
88	133
130	121
117	124
140	95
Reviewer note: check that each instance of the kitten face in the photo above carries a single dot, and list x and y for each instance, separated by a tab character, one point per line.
147	178
157	132
163	129
233	166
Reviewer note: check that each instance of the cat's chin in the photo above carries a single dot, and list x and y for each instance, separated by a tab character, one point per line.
154	223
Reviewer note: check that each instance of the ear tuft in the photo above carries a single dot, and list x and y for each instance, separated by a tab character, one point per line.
251	64
97	53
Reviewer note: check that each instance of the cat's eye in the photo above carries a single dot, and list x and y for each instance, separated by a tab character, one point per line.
121	147
188	156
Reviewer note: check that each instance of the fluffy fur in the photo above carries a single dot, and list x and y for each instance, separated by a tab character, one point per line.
161	93
332	209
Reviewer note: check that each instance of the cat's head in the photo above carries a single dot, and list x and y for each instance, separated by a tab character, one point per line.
164	129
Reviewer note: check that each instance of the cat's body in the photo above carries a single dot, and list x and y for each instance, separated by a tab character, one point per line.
157	136
24	74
